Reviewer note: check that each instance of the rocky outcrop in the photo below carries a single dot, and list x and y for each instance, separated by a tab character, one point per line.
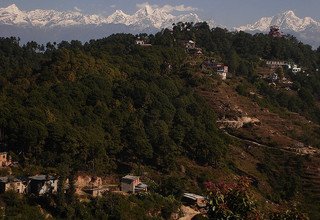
237	123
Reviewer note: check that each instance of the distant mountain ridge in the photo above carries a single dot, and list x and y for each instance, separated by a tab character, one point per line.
51	25
146	17
305	29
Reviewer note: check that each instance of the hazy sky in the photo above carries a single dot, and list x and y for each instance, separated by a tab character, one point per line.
226	12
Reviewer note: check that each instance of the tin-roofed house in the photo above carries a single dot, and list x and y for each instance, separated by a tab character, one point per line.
222	71
141	187
194	200
296	69
132	184
211	68
190	44
142	42
9	183
42	184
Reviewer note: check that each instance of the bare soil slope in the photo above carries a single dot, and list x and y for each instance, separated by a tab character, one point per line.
272	151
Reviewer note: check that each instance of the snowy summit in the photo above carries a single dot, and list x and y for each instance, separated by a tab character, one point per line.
305	29
286	21
145	17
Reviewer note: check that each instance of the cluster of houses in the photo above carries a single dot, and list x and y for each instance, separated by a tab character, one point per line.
46	184
128	184
276	80
212	67
40	185
289	65
191	48
37	185
142	42
189	45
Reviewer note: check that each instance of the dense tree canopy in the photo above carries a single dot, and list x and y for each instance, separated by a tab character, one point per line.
90	106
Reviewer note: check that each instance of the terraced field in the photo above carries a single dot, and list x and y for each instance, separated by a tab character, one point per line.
290	167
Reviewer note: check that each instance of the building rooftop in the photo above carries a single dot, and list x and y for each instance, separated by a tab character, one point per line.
7	179
192	196
129	178
42	177
142	186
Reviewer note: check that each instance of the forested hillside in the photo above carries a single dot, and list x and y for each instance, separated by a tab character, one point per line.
91	106
98	106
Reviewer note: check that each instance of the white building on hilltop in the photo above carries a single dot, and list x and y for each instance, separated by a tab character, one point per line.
132	184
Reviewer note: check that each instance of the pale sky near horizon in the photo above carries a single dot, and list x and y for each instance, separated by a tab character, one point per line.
230	13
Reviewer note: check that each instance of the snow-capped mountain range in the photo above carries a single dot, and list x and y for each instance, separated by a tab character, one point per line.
146	17
51	25
305	29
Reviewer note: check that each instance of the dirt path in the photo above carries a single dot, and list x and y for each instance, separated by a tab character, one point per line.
258	144
282	128
188	213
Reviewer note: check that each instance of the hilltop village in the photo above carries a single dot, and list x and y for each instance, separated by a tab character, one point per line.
86	186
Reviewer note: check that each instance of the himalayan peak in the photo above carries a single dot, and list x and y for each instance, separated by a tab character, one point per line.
286	21
305	29
146	17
